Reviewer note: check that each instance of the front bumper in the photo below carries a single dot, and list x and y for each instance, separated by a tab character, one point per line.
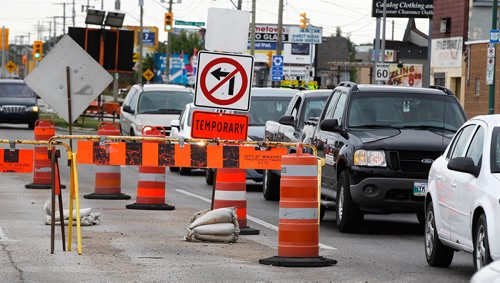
18	117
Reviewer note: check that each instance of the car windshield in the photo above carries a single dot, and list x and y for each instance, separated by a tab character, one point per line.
265	108
15	90
405	110
163	102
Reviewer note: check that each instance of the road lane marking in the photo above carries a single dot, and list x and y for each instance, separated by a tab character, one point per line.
249	217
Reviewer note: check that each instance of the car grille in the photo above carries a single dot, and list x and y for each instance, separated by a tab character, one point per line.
411	161
14	108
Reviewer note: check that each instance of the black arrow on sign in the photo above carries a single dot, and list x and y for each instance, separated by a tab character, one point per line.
218	73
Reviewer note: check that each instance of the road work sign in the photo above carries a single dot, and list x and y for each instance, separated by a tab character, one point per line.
210	125
87	78
223	81
16	161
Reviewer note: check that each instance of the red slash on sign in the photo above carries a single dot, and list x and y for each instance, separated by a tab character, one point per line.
228	77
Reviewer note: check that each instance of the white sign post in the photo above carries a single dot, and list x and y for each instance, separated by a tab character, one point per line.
382	71
68	67
223	81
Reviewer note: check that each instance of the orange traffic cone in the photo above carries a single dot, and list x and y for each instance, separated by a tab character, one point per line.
298	234
42	170
151	181
230	190
107	178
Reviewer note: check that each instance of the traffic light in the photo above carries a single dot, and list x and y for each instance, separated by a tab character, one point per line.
37	50
303	20
169	21
24	59
269	58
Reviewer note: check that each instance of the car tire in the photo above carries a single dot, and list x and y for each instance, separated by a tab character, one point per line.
349	217
185	171
481	254
31	125
209	176
436	253
271	186
173	169
421	217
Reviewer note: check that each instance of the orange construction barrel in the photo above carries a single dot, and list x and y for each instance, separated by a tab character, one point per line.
151	181
298	233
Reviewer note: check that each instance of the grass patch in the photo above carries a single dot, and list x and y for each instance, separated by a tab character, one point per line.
87	123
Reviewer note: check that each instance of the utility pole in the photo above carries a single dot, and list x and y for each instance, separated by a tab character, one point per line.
64	15
169	46
116	75
139	71
491	98
280	27
4	52
252	31
239	4
74	13
384	19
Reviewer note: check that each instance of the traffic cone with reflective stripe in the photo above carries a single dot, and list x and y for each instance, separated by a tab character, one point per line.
107	178
151	181
42	170
298	234
230	190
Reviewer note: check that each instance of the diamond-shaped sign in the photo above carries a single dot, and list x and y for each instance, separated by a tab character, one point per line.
148	74
10	66
87	78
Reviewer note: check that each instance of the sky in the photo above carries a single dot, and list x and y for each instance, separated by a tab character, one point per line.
352	16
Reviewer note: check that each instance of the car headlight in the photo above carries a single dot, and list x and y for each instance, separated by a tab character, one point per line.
372	158
32	109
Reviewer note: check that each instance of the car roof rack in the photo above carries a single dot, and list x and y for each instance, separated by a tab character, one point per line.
352	85
442	88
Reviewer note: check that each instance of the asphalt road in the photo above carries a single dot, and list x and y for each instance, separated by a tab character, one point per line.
137	245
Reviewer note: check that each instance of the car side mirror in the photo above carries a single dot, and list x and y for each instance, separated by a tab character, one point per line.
465	165
175	123
330	125
126	108
287	120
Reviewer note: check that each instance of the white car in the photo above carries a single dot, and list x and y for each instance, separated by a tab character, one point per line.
153	105
462	201
181	129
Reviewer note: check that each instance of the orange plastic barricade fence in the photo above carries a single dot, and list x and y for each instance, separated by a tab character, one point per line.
298	234
107	177
230	190
151	181
16	161
188	155
44	130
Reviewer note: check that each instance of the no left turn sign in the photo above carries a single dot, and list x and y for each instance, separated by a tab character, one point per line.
223	81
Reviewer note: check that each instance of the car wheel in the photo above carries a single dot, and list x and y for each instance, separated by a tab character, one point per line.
349	216
31	125
209	176
173	169
481	244
271	186
436	253
185	171
421	217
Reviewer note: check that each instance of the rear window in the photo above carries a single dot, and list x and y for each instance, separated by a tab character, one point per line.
15	90
405	110
163	102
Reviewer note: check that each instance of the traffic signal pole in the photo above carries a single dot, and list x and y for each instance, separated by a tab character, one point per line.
139	71
3	50
491	98
169	45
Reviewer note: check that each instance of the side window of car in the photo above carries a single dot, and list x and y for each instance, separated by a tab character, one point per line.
133	101
457	149
339	110
129	96
330	108
295	109
475	150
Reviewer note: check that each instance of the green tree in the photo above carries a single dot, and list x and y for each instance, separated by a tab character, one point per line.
352	52
185	41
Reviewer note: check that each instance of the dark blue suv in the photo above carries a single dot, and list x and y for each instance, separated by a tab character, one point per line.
17	103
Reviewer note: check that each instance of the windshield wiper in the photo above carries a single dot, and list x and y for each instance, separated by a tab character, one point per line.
374	126
427	127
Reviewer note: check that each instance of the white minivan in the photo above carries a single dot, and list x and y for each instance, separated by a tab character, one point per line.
153	105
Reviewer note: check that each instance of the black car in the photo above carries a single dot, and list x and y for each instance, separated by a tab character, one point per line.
17	103
378	143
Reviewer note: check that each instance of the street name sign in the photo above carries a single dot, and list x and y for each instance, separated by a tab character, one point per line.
194	24
87	78
223	81
211	125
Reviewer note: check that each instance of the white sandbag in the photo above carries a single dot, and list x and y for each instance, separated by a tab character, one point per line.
217	229
220	215
216	238
87	217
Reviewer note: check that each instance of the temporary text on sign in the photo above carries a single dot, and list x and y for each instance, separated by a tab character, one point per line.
211	125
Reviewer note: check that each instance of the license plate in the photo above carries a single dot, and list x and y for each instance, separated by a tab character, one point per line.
419	189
